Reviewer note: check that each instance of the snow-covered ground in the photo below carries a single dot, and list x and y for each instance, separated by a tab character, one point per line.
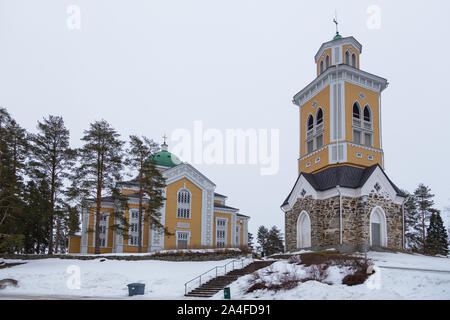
165	280
385	284
107	279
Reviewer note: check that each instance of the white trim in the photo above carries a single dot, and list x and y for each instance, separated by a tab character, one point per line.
383	225
177	232
222	229
387	190
303	228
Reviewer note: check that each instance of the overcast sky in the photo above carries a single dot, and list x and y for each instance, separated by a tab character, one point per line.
152	67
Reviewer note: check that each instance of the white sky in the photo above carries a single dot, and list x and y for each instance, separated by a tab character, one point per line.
151	67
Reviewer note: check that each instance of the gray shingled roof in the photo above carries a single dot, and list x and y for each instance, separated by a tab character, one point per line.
343	176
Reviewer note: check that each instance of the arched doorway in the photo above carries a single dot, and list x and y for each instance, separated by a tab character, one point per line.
303	231
378	231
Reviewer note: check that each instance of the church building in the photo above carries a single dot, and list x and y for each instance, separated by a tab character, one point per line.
193	212
342	197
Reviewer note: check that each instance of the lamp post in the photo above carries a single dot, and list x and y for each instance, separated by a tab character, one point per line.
364	199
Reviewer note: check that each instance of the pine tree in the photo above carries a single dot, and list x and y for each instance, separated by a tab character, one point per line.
250	241
51	160
413	229
274	241
262	237
424	204
437	240
13	156
101	160
142	149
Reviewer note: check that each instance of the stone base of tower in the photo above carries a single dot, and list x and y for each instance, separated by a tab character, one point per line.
318	216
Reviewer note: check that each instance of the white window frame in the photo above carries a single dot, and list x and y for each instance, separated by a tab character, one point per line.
131	221
102	213
188	233
184	205
222	228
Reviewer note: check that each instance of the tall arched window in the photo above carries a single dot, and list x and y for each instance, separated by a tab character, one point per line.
310	124
367	114
321	66
327	63
310	134
367	126
347	58
319	129
354	60
319	117
184	204
356	123
356	111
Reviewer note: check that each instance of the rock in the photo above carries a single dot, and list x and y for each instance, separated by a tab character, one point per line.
371	270
8	282
102	260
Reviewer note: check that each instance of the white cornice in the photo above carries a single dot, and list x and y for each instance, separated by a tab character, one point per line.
344	73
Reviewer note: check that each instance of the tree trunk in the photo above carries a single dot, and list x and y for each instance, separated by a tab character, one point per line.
140	210
52	213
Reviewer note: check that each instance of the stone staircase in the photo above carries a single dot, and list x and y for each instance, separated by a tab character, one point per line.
214	285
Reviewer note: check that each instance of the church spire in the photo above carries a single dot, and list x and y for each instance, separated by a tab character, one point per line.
337	36
164	146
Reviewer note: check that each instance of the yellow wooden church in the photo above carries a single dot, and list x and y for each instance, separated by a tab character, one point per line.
193	212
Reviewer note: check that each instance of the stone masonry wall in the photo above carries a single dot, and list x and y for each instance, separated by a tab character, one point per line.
324	215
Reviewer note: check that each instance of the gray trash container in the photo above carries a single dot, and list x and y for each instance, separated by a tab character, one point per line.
136	289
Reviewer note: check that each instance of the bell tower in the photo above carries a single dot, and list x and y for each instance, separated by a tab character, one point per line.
340	110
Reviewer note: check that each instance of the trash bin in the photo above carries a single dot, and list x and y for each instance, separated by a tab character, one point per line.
227	293
136	289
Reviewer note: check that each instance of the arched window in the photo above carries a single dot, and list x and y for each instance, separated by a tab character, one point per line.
303	231
327	62
310	134
319	117
356	111
354	60
321	66
347	58
310	124
367	114
184	204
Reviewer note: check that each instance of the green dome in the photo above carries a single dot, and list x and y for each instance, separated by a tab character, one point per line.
165	158
337	36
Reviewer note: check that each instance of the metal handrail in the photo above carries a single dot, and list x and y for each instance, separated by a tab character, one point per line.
216	269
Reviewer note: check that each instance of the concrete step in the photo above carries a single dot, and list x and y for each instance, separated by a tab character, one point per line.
215	285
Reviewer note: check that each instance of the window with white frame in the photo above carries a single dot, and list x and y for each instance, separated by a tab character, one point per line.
357	136
184	204
103	229
310	135
133	231
221	232
238	235
354	60
182	239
